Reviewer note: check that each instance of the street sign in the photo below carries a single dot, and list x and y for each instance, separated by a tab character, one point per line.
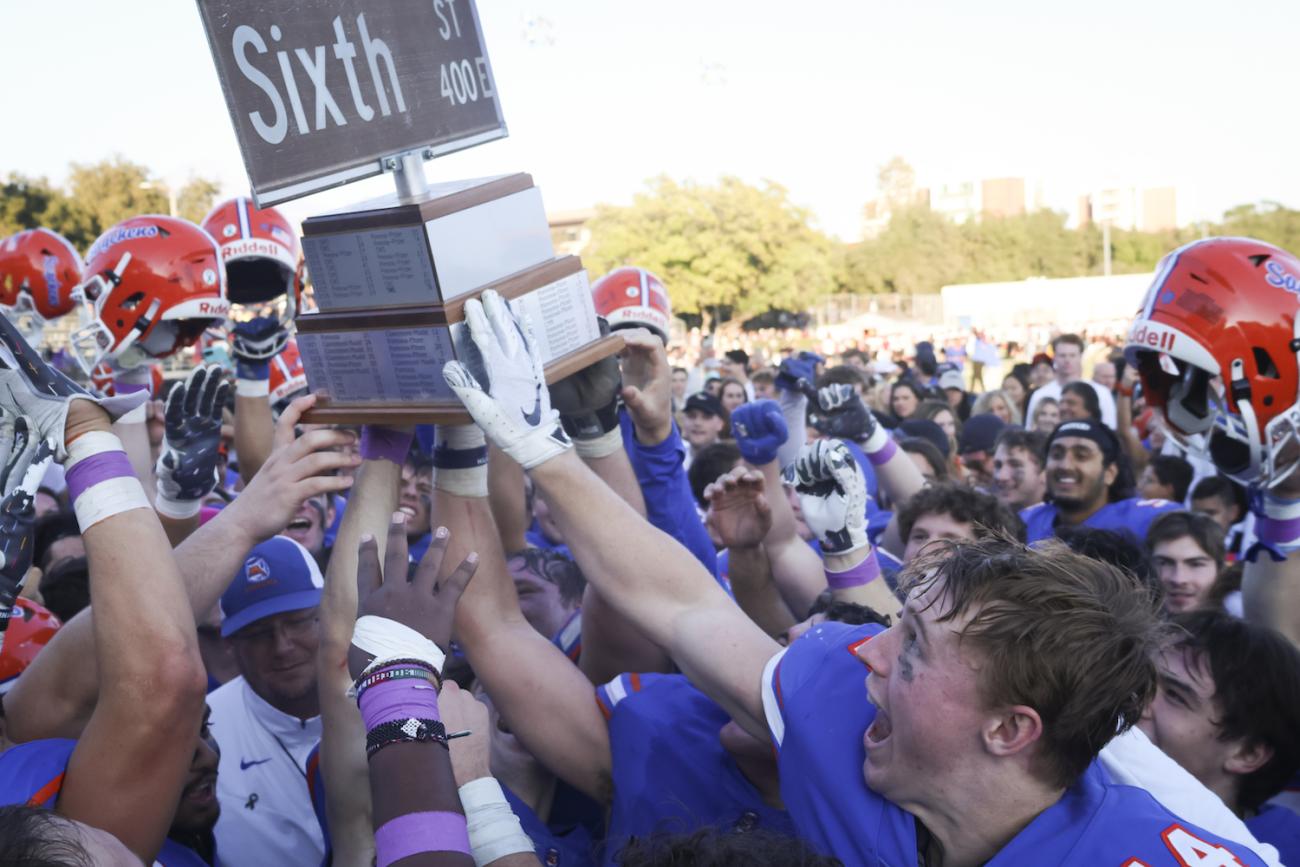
321	91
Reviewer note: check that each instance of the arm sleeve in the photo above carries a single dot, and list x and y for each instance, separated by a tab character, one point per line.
669	504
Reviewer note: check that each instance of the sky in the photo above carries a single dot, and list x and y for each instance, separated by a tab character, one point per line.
814	95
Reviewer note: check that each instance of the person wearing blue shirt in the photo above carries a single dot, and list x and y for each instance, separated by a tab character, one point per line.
1089	482
1228	710
984	706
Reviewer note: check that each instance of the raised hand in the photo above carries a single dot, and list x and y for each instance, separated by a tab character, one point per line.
833	495
798	373
30	387
840	412
187	466
588	400
647	385
424	604
760	430
738	509
500	381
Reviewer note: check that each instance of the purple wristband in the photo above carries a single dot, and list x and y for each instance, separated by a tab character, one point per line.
414	833
887	451
1274	531
121	388
380	443
397	699
97	468
863	573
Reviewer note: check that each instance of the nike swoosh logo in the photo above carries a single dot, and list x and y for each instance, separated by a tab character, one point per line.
535	417
245	765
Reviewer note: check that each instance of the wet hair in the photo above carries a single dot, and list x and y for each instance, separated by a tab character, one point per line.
1072	637
926	449
555	568
35	837
966	505
1175	472
851	613
1256	692
712	461
722	847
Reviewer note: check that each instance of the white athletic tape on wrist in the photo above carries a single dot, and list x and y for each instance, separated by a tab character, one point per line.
177	510
877	441
387	639
471	482
252	387
1280	509
93	443
461	437
494	829
602	446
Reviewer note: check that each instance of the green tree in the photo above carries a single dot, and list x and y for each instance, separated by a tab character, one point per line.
1267	221
113	190
27	203
724	250
196	198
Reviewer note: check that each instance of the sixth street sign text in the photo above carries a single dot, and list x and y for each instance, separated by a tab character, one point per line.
320	90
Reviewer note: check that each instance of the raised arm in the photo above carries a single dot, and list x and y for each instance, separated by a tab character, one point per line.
57	693
128	766
547	702
254	344
370	513
682	609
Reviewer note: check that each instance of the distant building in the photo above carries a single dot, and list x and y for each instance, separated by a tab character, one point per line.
569	232
1153	209
962	202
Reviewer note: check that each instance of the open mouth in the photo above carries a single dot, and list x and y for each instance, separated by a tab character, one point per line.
299	525
203	790
879	730
407	510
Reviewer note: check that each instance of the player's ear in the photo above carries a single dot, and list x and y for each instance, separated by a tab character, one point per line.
1011	730
1109	473
1246	757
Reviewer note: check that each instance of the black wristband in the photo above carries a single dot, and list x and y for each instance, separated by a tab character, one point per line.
591	425
409	730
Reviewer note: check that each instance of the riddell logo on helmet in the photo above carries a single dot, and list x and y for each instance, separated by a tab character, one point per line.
249	247
214	309
1156	338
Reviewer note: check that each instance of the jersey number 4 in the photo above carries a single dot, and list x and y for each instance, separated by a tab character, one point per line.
1192	851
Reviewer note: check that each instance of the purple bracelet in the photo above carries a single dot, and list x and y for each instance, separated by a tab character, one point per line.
398	699
863	573
124	388
380	443
887	451
414	833
97	468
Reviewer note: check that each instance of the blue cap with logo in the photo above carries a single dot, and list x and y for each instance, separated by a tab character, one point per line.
279	575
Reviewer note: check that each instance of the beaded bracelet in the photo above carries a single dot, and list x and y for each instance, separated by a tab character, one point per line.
395	674
382	665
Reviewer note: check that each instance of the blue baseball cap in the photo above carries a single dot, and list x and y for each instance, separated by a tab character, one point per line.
279	575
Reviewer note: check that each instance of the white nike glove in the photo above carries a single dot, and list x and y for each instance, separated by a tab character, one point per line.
833	495
499	379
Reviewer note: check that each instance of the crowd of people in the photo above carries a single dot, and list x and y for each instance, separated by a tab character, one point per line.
919	608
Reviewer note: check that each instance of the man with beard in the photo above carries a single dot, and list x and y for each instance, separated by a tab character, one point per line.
1089	482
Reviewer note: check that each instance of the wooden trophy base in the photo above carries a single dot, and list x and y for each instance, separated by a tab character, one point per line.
393	414
384	366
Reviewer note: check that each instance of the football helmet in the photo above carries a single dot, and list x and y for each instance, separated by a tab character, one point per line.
104	379
31	626
1216	344
39	269
288	376
633	298
152	285
260	249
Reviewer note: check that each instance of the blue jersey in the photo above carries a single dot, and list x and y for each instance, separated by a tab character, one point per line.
1132	515
1281	828
817	709
32	774
671	772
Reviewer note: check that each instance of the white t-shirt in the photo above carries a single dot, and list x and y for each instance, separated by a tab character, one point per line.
266	811
1053	390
